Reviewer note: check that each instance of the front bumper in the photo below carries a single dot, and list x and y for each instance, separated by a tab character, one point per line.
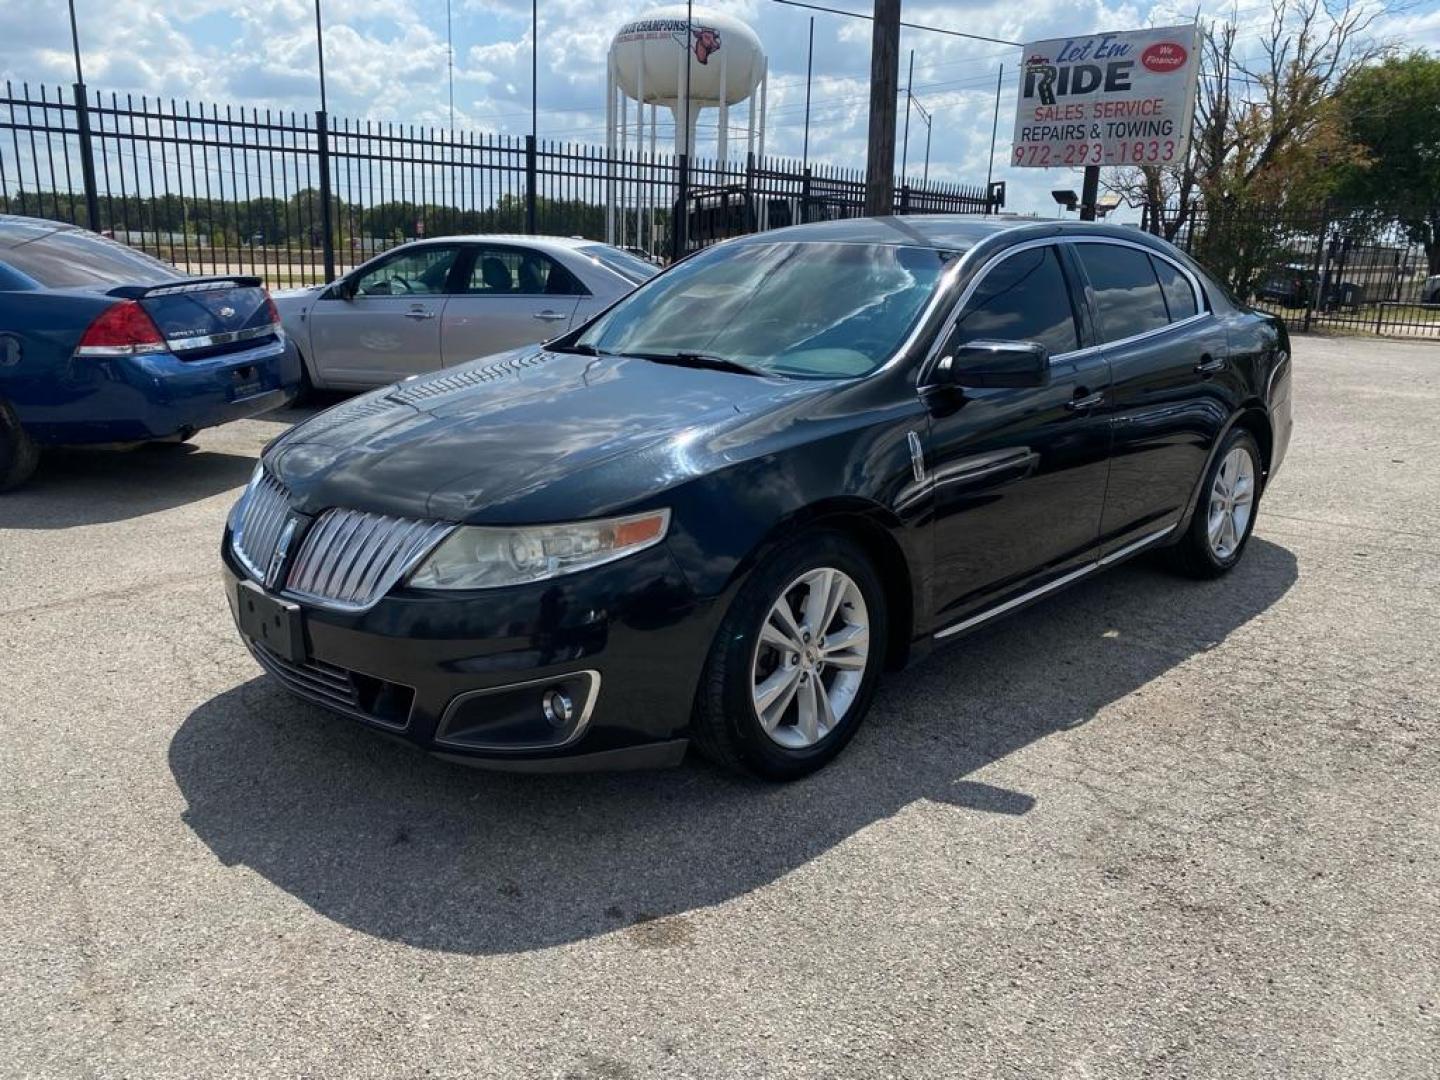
140	398
464	676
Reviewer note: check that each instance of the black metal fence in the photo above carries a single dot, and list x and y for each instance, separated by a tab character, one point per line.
1331	268
298	198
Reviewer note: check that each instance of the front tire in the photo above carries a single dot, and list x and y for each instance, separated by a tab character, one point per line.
19	455
794	666
1224	517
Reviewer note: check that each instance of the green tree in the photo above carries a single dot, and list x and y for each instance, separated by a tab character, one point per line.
1392	111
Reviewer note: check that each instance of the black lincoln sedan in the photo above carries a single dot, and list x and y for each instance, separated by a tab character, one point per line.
717	512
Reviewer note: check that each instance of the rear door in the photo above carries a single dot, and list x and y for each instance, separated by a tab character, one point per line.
382	323
1168	355
509	295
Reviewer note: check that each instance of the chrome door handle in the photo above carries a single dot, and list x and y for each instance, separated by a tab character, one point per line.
1086	401
419	313
548	316
1209	364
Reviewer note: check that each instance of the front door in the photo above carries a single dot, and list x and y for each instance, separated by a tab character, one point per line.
383	324
1018	475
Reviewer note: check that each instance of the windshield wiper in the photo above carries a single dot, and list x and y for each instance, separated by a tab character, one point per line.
580	348
702	360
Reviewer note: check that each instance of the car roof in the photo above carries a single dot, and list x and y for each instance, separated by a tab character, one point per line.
16	230
569	242
957	232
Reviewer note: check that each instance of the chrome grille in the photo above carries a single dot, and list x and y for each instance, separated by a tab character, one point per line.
262	516
351	559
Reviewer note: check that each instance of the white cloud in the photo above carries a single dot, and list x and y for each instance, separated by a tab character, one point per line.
387	59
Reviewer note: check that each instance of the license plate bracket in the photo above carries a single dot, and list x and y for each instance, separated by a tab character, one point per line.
276	624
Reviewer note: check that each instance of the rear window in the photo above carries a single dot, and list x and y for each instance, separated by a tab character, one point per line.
623	263
1126	290
75	259
1179	296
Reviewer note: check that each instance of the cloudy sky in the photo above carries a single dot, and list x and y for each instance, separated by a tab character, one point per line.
388	61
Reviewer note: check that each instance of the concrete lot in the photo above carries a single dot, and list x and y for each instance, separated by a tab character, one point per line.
1150	828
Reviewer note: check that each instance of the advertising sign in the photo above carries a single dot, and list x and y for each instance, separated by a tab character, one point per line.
1123	98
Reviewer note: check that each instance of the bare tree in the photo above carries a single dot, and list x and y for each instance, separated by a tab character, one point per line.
1266	124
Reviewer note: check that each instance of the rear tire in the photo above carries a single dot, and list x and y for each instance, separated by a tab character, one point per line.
813	686
1225	513
18	453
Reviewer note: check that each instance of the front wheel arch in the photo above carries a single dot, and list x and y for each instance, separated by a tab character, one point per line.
872	529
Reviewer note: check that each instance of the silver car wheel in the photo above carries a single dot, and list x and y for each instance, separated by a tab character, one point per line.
810	659
1232	500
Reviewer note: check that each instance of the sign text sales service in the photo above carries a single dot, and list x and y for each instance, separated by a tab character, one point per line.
1108	99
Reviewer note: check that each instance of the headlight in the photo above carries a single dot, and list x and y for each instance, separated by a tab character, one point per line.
479	557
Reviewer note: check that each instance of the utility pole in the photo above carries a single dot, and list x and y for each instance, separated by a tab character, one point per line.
809	68
80	78
320	51
909	100
450	61
884	89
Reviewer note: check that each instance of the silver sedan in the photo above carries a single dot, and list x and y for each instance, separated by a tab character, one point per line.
435	303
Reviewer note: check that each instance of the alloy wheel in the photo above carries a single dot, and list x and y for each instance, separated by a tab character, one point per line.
1232	500
810	660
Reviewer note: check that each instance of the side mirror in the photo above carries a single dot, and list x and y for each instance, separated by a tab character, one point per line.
995	364
344	289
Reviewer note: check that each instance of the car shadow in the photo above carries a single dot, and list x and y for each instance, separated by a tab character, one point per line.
91	486
403	847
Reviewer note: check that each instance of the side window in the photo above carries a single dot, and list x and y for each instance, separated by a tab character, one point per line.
1126	290
422	272
1024	298
520	273
1179	296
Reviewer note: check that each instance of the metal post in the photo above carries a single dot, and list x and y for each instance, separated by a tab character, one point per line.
994	127
87	159
680	225
535	70
450	61
909	100
530	185
327	238
929	130
884	88
809	68
1320	243
1089	192
689	44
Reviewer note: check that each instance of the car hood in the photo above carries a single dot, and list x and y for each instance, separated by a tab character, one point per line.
525	436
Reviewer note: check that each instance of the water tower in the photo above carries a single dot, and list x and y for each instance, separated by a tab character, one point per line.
647	66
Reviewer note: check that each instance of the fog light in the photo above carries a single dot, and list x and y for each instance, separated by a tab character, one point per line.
558	707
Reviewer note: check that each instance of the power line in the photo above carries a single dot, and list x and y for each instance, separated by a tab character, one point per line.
909	25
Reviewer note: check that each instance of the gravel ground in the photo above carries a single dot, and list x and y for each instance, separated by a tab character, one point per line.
1149	828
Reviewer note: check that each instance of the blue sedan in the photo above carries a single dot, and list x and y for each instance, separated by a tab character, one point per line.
100	343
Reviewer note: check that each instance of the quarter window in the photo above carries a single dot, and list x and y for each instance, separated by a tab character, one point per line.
1179	296
1025	298
1126	290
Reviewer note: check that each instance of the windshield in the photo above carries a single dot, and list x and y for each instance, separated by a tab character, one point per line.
631	267
812	310
71	258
